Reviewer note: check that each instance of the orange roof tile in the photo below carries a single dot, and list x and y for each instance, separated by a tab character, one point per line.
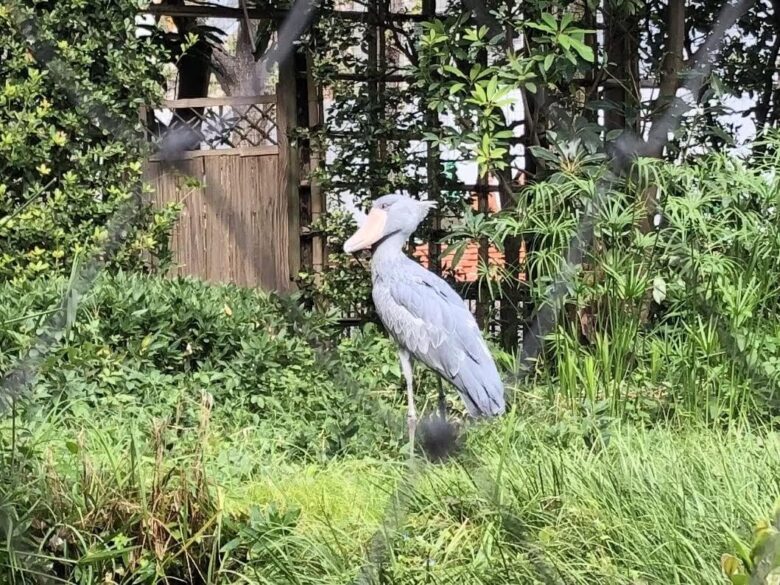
467	269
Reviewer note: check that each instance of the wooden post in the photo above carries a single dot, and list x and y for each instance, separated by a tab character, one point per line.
433	167
372	56
316	160
483	193
289	165
620	43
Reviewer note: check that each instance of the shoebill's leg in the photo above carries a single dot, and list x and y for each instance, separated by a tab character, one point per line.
442	400
411	413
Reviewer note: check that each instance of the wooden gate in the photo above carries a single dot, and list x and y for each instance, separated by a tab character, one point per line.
234	184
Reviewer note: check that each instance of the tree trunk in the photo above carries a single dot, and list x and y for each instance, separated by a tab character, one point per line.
511	301
667	92
670	72
768	101
671	69
194	71
244	75
621	40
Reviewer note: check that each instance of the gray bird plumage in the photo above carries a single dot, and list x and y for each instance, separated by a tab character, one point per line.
429	320
423	314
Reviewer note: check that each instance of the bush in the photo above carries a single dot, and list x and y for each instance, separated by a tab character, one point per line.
759	562
146	343
681	318
74	75
346	284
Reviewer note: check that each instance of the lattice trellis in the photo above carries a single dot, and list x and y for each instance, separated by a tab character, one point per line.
216	123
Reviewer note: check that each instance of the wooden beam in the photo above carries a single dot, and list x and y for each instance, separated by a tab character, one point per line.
425	186
364	77
387	135
316	162
289	165
243	151
210	102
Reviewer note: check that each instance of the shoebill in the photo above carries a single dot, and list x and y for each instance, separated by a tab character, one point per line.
427	319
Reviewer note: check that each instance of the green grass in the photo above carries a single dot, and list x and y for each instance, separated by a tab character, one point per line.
192	434
530	499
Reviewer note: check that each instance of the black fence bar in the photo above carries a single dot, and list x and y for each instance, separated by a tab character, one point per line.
420	186
401	135
366	77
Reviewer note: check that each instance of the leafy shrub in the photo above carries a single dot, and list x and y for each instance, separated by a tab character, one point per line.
758	563
159	390
147	342
344	285
683	317
74	75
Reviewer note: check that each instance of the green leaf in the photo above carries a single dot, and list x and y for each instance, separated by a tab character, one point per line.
543	153
471	34
492	86
542	27
548	61
549	20
479	94
717	85
454	71
584	50
743	552
720	133
230	545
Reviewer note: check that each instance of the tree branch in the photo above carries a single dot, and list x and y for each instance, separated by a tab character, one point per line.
671	67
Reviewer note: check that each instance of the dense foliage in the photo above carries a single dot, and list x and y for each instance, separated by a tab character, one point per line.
681	316
456	82
219	435
74	75
179	431
341	286
147	343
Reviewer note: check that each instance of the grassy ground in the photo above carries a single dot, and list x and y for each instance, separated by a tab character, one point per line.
535	498
193	434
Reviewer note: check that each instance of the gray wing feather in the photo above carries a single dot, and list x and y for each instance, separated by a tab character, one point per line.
432	322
